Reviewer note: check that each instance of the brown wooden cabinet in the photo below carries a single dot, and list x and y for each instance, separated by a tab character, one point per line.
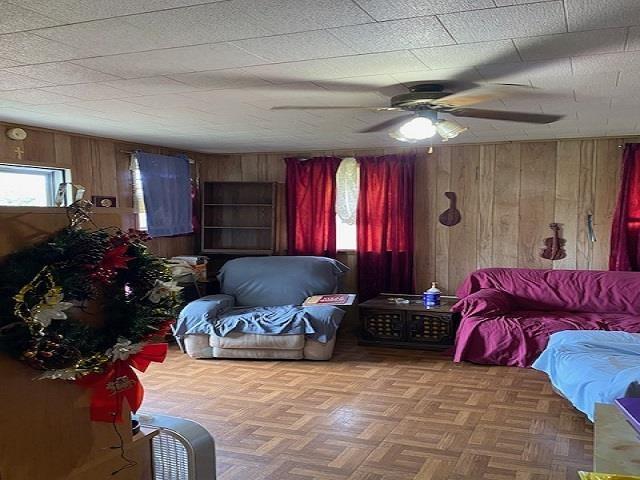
407	324
238	217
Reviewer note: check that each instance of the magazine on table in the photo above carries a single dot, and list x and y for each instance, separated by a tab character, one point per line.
330	299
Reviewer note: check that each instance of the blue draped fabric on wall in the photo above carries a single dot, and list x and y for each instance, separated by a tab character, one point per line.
166	184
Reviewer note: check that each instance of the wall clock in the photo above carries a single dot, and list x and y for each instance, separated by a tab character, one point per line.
16	134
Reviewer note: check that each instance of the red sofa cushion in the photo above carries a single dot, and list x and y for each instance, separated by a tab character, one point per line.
488	301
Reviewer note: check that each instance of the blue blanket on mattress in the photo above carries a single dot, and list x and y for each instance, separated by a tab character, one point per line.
215	315
590	367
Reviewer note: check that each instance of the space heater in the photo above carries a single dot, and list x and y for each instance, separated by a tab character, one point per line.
183	450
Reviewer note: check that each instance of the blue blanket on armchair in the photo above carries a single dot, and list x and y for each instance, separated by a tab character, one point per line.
319	323
214	315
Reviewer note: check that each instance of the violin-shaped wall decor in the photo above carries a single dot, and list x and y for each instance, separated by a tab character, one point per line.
451	216
553	246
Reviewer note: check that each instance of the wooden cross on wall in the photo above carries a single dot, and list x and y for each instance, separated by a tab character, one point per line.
19	152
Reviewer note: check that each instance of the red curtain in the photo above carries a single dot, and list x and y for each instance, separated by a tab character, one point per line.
625	234
311	210
385	225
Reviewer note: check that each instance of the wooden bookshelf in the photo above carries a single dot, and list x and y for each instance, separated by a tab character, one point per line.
238	217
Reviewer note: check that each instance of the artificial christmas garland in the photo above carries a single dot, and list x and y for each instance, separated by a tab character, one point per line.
84	306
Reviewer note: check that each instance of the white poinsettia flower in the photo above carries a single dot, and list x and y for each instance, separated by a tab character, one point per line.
163	290
123	349
44	313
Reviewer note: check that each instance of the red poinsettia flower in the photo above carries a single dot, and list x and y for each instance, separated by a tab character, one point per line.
115	258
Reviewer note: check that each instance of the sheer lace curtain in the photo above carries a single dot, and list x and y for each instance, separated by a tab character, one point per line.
347	188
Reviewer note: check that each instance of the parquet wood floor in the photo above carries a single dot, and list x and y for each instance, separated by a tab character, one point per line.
374	413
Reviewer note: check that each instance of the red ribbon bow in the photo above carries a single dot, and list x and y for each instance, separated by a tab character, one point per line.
119	382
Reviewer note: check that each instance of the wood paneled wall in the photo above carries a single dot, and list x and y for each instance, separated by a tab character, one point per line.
508	193
98	164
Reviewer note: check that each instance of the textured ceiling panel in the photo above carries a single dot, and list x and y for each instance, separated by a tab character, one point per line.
360	65
150	85
36	97
204	75
394	9
72	11
504	3
593	14
506	22
570	44
174	60
29	48
7	63
12	81
106	37
16	19
624	62
633	40
459	74
394	35
220	79
289	16
569	82
522	72
482	53
208	23
61	73
88	91
296	46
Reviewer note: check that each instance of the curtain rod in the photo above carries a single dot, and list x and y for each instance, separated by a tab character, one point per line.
130	152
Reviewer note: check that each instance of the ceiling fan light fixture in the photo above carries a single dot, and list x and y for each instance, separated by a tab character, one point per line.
448	129
414	130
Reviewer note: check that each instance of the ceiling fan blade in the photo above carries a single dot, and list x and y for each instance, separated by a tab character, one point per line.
387	124
523	117
336	107
482	93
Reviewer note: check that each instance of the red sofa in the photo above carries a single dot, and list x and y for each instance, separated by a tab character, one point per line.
508	314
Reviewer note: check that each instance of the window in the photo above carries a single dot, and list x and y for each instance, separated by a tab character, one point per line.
32	186
138	195
347	188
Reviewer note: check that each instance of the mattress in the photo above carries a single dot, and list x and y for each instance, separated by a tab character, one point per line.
589	367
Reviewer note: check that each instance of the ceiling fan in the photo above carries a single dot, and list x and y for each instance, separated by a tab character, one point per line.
425	100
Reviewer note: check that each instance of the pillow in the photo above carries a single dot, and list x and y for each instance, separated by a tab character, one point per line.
485	302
